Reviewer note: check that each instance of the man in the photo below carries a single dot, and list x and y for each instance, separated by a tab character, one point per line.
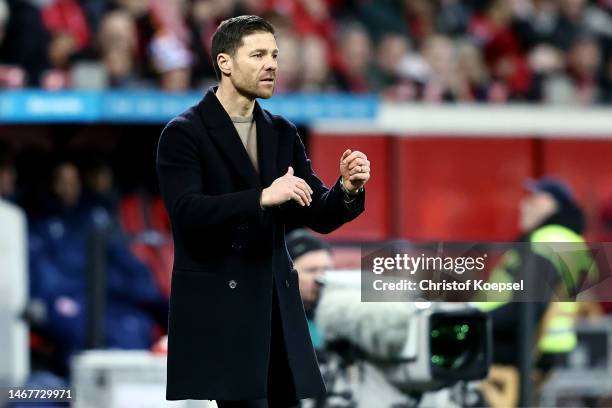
311	258
8	175
548	214
231	175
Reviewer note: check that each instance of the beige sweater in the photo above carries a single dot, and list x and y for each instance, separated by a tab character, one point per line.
245	126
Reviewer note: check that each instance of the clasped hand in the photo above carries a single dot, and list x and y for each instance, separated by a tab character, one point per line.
354	169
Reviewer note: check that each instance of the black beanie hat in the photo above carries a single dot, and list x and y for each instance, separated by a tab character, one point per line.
560	191
301	241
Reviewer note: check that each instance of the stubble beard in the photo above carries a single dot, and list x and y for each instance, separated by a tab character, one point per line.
252	90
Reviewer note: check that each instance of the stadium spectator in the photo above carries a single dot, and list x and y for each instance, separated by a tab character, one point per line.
535	22
444	82
390	52
169	47
584	60
71	38
117	49
145	20
24	45
8	175
420	18
290	55
507	64
472	70
201	18
171	60
11	76
70	32
315	72
578	17
353	58
161	53
495	51
547	64
58	274
98	188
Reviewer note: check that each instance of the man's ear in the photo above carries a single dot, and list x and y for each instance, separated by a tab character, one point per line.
225	63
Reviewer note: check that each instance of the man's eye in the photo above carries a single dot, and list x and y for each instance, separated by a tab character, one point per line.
257	55
275	56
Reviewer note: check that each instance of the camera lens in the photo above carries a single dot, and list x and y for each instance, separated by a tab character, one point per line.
453	342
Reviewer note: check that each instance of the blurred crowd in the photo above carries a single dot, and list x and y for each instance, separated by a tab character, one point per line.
73	214
553	51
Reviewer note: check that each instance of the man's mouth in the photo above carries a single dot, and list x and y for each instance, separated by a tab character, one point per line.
267	80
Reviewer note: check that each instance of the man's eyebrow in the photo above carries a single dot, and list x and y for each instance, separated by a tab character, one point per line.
263	50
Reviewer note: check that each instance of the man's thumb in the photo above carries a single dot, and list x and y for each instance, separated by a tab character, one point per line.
290	171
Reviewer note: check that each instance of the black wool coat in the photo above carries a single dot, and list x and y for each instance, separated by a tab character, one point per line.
228	250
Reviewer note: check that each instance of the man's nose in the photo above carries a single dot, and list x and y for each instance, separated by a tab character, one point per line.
271	64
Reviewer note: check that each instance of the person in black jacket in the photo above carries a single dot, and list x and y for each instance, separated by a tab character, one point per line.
232	175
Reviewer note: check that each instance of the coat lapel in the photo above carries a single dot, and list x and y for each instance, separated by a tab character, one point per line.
224	135
267	146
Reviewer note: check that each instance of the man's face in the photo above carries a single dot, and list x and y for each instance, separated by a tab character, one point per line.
101	180
253	66
534	209
356	51
311	267
67	184
8	179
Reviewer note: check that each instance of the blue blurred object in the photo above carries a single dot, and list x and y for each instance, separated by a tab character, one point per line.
58	278
315	335
155	107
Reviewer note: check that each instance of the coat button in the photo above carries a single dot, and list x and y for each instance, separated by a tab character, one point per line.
232	284
236	246
287	282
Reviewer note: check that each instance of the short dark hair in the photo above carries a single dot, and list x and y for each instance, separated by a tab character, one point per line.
228	37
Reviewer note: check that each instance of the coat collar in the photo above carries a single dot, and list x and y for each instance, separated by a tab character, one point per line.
225	136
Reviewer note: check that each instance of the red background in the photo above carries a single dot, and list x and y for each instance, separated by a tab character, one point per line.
461	188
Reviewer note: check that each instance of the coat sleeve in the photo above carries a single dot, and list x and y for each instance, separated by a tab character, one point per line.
180	179
328	210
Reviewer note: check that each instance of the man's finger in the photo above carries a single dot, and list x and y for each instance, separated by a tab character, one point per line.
360	176
302	181
302	194
297	198
359	169
306	186
357	162
303	188
344	155
290	171
354	155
